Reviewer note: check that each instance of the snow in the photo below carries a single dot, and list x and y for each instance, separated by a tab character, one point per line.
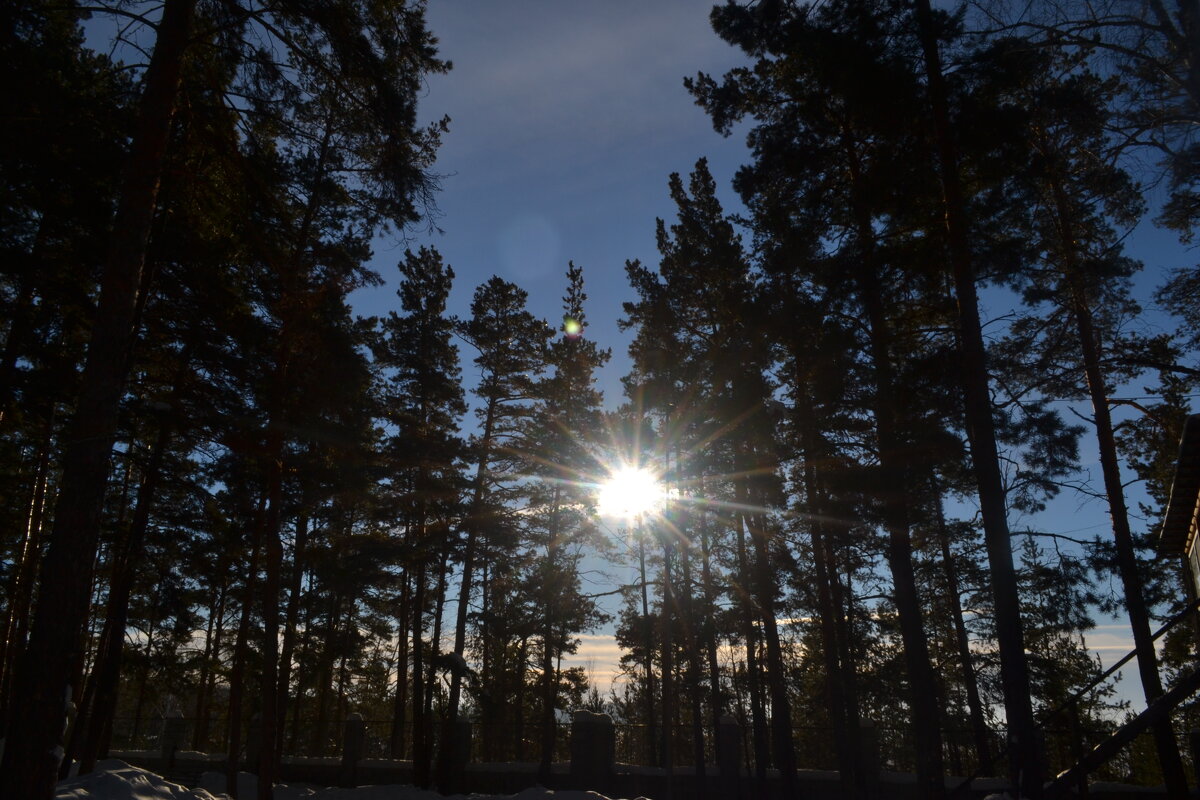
116	780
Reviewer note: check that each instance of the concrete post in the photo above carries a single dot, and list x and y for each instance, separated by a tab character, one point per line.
69	724
170	738
1194	746
606	748
593	749
582	744
253	742
868	748
354	737
729	755
458	755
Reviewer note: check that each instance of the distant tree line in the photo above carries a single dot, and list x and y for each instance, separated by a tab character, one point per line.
225	494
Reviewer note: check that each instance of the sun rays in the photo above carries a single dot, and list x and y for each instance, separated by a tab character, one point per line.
630	492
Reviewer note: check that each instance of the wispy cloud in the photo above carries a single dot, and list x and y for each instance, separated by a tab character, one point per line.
568	79
600	655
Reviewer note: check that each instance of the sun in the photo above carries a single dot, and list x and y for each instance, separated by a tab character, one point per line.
630	492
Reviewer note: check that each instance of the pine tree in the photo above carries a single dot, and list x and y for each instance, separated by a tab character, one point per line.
1076	194
823	146
697	367
563	450
1027	769
511	345
424	402
389	156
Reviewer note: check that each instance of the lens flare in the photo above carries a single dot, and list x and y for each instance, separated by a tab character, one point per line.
630	492
572	327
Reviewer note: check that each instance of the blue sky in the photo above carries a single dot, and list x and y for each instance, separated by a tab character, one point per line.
566	119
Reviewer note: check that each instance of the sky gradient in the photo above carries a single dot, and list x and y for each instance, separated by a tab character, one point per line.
566	120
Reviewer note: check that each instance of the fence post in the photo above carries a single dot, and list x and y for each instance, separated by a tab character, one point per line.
593	749
354	736
868	737
69	725
454	740
170	738
1194	745
583	743
253	743
729	746
606	750
1077	745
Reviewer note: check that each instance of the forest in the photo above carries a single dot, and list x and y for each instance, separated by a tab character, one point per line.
226	495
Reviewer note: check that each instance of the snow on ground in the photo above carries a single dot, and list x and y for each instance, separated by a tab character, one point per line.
116	780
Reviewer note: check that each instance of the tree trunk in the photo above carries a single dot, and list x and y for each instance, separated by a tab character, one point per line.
551	592
31	761
212	657
1135	603
24	577
421	727
429	676
273	550
843	600
781	712
668	660
717	696
648	643
979	729
400	701
142	681
444	779
291	618
1027	769
893	497
521	667
343	680
845	735
691	640
125	565
1186	43
435	641
305	646
205	672
487	681
749	615
320	729
237	671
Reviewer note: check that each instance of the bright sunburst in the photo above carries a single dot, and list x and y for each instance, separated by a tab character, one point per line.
630	492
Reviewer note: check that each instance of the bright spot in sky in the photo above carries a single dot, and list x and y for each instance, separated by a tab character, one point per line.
571	327
628	492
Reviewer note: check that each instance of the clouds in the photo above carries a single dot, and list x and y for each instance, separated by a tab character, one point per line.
535	84
566	119
530	246
600	655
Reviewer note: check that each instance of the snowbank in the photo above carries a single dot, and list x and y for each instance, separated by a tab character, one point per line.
116	780
248	786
